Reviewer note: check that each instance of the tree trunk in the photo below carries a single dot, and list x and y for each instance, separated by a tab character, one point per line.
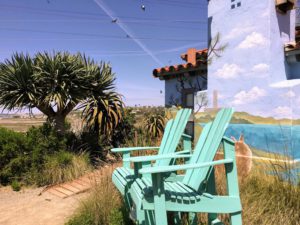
58	122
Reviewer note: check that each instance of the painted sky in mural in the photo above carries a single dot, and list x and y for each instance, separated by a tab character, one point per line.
251	75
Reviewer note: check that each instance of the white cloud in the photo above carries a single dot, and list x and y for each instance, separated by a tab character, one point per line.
289	94
238	31
253	40
266	13
229	71
283	112
252	95
261	68
285	83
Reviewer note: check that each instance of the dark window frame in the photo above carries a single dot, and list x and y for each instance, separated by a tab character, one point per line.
186	92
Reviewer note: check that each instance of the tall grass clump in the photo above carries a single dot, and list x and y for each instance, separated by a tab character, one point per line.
63	166
268	200
266	197
104	206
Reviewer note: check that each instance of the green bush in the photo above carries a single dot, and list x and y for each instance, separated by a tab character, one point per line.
125	129
16	186
82	219
40	156
14	155
61	167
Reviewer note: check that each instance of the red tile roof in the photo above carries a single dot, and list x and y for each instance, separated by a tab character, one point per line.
194	58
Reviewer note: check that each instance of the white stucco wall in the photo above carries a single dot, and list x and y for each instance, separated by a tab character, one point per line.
252	73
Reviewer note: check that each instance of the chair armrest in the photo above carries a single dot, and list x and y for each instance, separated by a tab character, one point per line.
229	140
129	149
187	136
167	169
155	157
182	152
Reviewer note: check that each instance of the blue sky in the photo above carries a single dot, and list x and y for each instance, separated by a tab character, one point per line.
139	42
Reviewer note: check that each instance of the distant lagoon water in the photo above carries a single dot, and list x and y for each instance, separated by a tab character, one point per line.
283	139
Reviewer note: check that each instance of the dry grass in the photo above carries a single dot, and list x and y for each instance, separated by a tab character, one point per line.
104	206
21	124
64	166
266	200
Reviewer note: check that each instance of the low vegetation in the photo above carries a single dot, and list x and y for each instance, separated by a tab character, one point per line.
40	156
104	206
266	200
63	166
43	156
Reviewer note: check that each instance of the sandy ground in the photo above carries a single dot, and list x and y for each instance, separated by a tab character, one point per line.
27	207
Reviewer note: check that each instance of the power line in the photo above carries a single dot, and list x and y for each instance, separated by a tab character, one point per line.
102	36
90	15
134	23
177	3
131	52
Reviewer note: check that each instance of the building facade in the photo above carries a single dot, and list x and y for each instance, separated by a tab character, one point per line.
258	73
186	83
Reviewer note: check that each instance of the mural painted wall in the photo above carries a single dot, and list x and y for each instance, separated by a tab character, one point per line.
253	76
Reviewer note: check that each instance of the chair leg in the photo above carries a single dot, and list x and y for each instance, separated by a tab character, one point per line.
193	219
159	200
177	218
236	218
212	218
150	219
140	217
211	188
127	201
232	181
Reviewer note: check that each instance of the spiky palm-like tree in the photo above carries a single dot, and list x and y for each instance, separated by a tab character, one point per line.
53	83
102	110
103	113
154	124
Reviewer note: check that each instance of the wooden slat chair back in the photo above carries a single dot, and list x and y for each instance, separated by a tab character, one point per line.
172	138
159	196
205	150
123	176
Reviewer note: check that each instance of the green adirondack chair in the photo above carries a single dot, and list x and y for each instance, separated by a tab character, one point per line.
173	133
154	197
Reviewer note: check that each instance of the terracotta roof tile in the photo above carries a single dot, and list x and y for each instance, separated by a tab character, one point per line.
193	57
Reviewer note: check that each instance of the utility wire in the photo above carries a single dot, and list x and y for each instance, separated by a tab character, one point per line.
177	4
137	23
89	15
102	36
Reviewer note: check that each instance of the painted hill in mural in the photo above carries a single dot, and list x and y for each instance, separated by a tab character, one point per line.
246	118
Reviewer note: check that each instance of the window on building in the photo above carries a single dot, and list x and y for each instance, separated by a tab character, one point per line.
188	98
235	4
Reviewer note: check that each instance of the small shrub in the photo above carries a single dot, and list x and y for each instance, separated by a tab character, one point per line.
81	219
61	167
104	206
125	129
16	186
14	155
44	141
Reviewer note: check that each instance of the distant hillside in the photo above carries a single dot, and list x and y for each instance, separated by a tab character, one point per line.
246	118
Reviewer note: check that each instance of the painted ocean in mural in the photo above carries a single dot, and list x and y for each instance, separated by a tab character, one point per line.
282	139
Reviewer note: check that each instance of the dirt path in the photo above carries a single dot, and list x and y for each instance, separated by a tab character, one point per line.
27	207
53	207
